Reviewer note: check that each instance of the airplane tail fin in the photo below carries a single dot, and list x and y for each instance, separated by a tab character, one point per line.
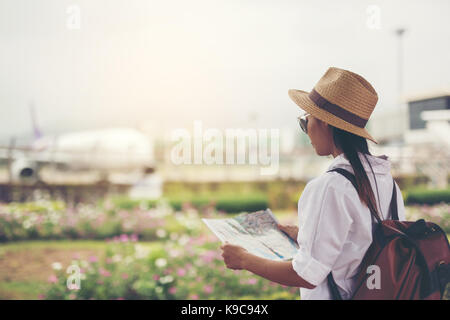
36	132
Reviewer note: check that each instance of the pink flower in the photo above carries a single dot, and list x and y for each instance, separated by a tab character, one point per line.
208	289
104	272
156	277
181	272
252	281
134	237
52	279
124	276
93	259
124	238
173	290
194	296
208	257
41	296
120	298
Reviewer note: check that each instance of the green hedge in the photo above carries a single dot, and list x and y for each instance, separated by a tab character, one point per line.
129	204
242	203
280	194
276	198
427	196
230	203
406	182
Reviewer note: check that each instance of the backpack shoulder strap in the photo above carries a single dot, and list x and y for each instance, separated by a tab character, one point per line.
393	206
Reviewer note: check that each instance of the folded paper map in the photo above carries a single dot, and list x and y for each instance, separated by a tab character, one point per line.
257	232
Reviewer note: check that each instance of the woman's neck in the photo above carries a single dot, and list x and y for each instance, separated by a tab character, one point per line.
336	152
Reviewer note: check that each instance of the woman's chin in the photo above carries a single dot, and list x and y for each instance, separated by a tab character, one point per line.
321	153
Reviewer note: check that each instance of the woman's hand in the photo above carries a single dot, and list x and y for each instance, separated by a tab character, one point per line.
234	256
290	230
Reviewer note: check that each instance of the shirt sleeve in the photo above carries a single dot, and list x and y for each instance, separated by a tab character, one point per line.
325	210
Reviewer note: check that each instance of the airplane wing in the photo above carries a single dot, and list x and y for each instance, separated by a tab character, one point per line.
38	158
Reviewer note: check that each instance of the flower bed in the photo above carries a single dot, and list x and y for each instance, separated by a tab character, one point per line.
184	264
182	268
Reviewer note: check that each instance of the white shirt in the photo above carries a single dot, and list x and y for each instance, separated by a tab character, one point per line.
335	227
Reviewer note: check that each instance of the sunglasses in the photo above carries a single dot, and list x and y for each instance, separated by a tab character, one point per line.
303	122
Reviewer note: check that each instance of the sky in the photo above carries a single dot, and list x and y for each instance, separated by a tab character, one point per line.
163	64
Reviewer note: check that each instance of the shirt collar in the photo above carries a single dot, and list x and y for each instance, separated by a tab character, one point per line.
380	164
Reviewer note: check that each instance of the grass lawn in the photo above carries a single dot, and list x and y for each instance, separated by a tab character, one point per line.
26	266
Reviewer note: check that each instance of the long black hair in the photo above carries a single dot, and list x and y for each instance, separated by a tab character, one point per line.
351	144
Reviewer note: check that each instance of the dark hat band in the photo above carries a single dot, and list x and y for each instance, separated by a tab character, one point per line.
334	109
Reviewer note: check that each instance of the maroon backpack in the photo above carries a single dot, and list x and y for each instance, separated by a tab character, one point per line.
412	259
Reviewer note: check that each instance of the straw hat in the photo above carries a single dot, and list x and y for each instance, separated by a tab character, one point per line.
342	99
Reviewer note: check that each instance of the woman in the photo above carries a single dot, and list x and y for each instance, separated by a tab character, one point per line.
335	225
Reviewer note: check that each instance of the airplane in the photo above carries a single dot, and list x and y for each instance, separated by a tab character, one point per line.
102	150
